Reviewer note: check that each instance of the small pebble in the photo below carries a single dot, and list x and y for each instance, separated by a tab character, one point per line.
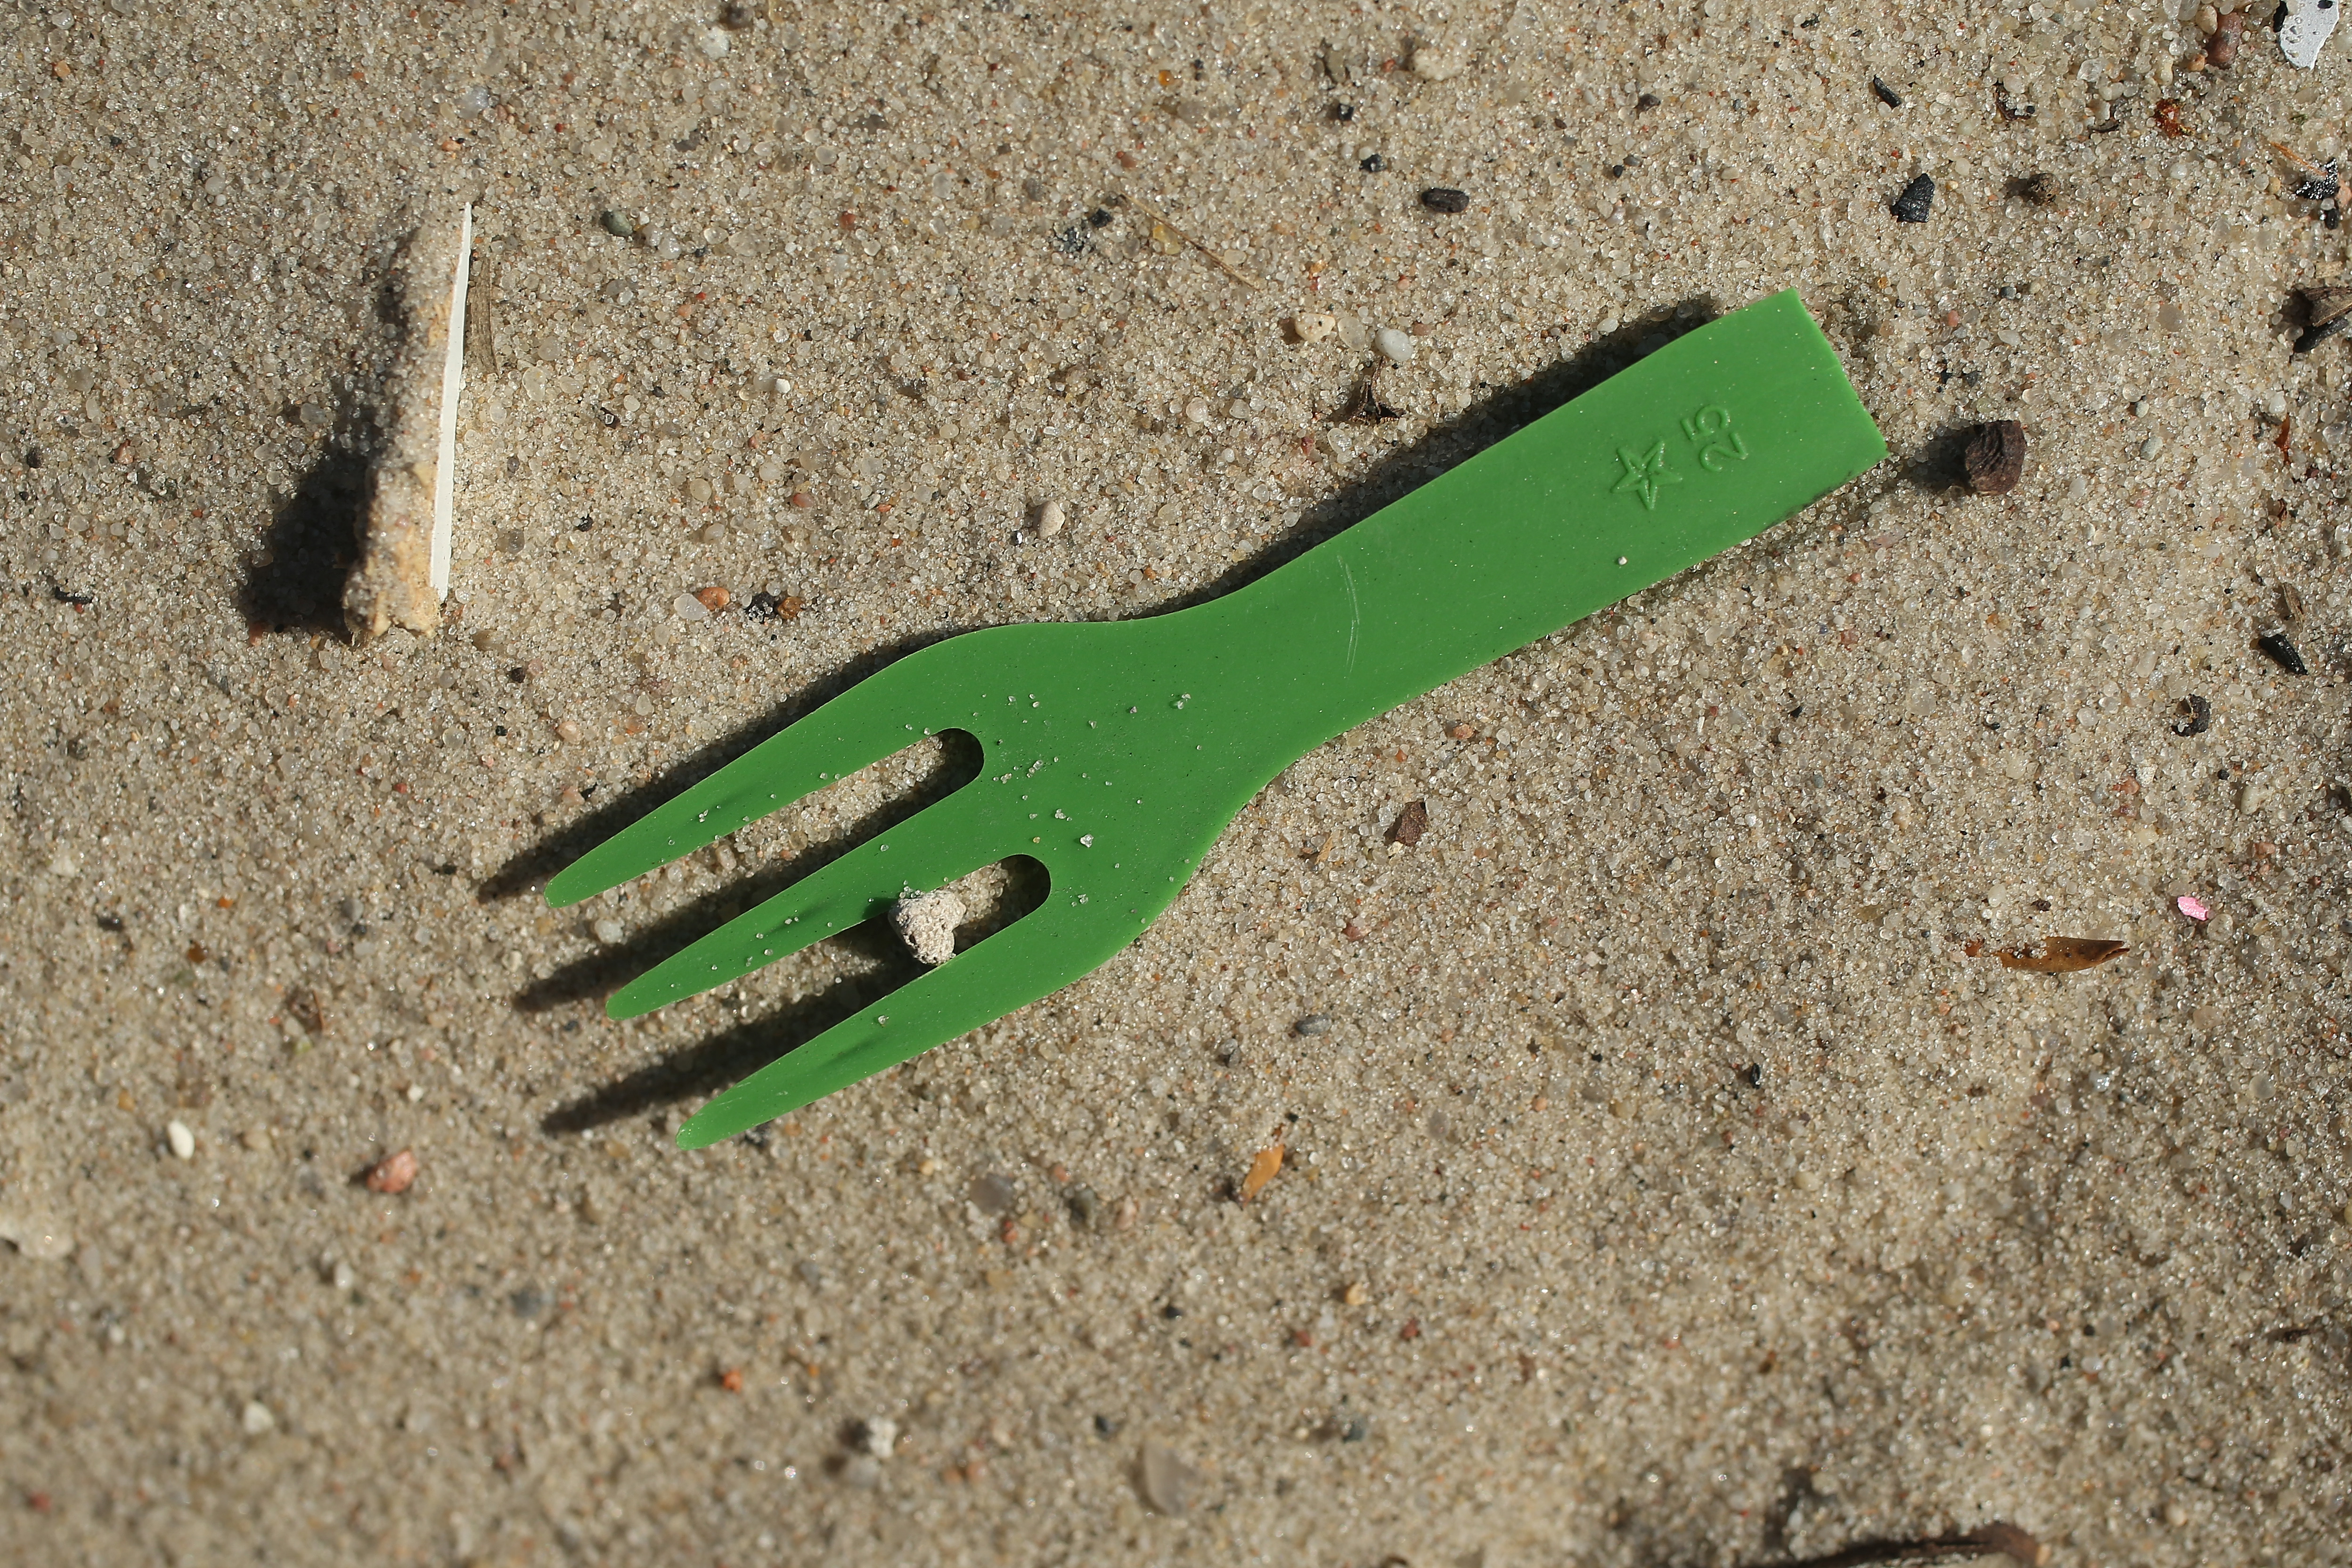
257	1420
617	223
927	923
687	607
2151	447
1886	95
183	1142
607	929
992	1192
1312	327
1168	1483
1313	1023
1913	204
342	1277
1085	1207
1051	520
1397	347
393	1174
880	1436
1445	199
1196	409
1373	165
2221	49
712	598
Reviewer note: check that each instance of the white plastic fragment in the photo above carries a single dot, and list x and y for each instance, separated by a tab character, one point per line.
2306	31
927	923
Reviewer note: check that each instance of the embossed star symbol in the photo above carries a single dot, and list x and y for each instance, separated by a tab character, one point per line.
1643	476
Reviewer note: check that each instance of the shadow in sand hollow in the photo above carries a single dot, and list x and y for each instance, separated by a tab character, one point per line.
715	1063
294	582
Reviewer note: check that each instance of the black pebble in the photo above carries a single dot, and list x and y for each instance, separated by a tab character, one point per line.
1646	103
1912	206
1886	95
1343	113
2284	653
2200	716
33	457
763	607
1099	218
1754	1075
1442	199
1374	164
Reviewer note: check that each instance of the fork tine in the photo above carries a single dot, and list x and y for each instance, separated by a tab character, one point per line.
1035	956
934	846
862	725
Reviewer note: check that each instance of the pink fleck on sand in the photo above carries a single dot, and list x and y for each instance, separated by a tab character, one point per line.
394	1172
2193	907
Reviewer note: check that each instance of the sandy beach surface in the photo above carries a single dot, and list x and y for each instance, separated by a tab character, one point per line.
1671	1172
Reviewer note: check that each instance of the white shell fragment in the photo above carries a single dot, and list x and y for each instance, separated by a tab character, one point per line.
403	568
453	381
2304	32
927	923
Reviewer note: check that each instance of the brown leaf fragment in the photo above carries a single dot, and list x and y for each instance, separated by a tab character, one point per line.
1995	458
2061	954
1411	824
1262	1169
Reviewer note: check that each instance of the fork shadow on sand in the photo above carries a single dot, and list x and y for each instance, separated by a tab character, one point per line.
718	1062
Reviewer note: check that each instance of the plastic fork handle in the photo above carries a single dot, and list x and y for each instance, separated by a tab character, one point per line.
1703	444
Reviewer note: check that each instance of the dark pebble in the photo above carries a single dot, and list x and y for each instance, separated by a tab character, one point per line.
1343	113
2200	714
1313	1023
1084	1208
1646	103
1105	1427
2282	652
1373	165
1918	196
528	1302
1886	95
616	223
1099	218
1995	458
32	458
1358	1428
1411	824
1444	199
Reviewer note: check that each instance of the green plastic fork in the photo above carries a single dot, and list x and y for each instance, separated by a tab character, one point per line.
1115	752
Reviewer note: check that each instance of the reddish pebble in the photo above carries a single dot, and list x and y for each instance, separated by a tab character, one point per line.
714	598
803	499
731	1380
394	1172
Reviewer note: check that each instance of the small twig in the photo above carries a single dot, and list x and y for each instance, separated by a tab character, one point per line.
1216	260
1993	1540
